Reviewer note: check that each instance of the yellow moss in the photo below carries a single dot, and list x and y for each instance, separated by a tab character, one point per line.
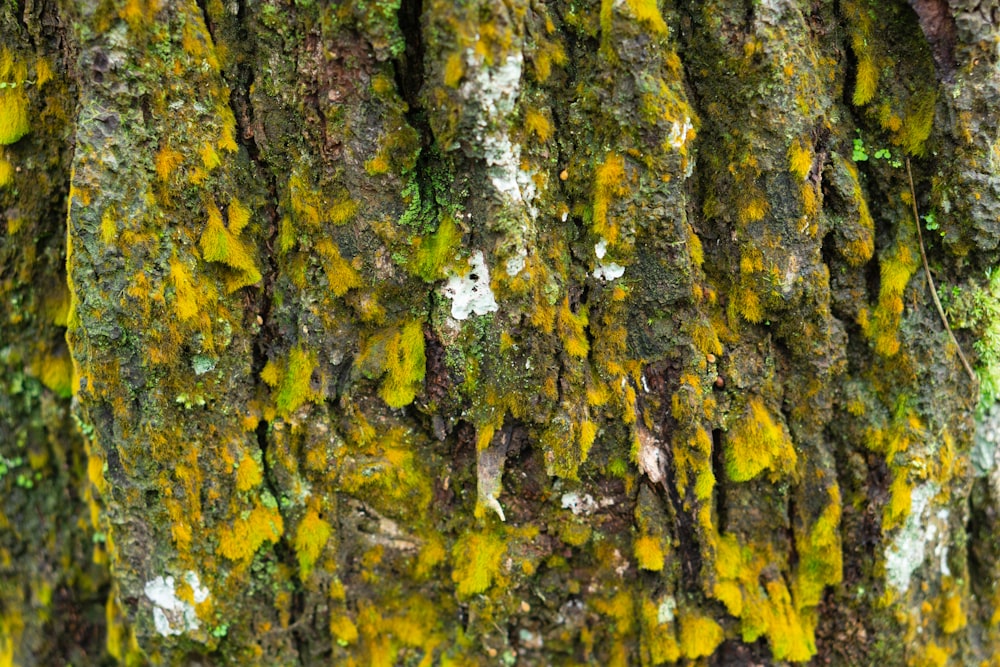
572	330
227	136
800	159
342	627
658	638
310	538
756	444
432	553
433	252
239	216
14	122
695	249
242	539
866	83
933	656
746	304
454	69
56	373
166	161
648	553
377	165
574	533
341	276
405	365
537	124
587	434
704	338
952	614
218	244
753	209
477	559
294	388
305	202
248	473
900	501
109	229
6	172
699	635
43	71
546	54
209	157
342	211
918	123
609	182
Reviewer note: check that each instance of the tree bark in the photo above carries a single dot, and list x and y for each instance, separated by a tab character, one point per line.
566	332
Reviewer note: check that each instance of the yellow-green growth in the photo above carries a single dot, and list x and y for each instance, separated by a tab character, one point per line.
340	274
108	227
342	211
219	244
56	373
658	638
918	123
609	182
405	365
700	636
800	160
644	12
573	330
166	161
536	123
310	539
14	122
867	81
900	501
648	553
239	216
248	473
476	558
820	555
6	172
756	443
242	539
432	253
294	388
186	297
897	266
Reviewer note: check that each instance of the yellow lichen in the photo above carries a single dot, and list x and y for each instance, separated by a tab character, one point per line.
454	69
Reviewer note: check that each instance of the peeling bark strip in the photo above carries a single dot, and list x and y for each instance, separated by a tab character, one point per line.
422	332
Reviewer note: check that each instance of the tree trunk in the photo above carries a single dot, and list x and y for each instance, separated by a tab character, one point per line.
568	332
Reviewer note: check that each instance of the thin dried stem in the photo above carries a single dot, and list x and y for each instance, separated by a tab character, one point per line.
930	280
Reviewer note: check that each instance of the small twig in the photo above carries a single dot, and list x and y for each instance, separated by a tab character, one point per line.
930	280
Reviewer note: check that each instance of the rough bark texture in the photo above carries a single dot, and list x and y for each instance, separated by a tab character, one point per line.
433	332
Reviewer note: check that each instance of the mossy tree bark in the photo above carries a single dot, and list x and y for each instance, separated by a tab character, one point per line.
405	332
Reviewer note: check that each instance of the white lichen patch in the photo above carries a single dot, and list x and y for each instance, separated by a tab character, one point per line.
609	271
665	612
578	504
516	263
922	529
172	615
471	294
492	93
679	133
606	271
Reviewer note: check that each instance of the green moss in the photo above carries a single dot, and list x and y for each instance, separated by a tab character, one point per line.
433	252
